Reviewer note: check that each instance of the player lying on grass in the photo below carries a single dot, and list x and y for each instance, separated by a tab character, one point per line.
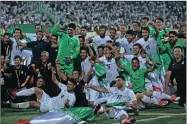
120	98
66	97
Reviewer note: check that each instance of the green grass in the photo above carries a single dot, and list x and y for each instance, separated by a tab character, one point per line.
9	116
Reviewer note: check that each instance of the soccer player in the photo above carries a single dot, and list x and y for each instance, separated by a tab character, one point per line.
127	44
120	97
149	45
110	64
66	97
68	49
102	38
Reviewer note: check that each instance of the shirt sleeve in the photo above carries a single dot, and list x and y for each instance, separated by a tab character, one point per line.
77	48
30	44
132	95
62	86
72	100
102	59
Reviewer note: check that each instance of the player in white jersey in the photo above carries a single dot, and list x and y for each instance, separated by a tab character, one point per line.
120	97
110	65
66	97
128	43
91	95
149	45
102	38
16	49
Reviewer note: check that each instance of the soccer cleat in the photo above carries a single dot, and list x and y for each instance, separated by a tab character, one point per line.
96	109
130	121
162	103
174	98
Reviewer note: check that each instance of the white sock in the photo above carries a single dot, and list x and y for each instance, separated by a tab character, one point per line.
26	92
150	100
123	121
161	95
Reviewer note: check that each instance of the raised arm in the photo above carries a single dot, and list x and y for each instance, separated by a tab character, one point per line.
54	76
152	67
99	89
55	30
87	76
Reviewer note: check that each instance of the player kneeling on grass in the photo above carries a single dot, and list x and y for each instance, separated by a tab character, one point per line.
120	98
66	97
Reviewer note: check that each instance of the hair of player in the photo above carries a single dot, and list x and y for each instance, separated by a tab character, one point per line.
73	81
173	32
146	18
177	47
102	27
146	28
110	48
139	45
82	37
135	59
130	32
72	25
159	18
137	23
109	41
113	29
84	27
18	57
120	77
38	25
8	34
100	47
84	48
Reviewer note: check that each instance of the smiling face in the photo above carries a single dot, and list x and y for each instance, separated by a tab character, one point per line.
119	83
177	53
172	38
135	64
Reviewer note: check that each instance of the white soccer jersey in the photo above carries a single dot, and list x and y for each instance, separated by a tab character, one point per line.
16	49
127	46
59	101
101	41
150	46
111	69
141	60
117	95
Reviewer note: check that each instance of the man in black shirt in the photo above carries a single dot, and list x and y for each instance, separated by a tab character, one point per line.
6	45
37	47
53	51
177	70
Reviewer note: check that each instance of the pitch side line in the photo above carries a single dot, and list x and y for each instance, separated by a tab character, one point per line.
166	114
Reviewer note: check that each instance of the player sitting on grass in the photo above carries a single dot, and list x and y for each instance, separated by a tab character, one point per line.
137	77
120	98
66	97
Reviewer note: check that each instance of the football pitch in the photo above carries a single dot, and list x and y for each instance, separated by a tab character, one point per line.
171	114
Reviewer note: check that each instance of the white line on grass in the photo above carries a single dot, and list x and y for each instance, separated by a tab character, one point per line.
149	119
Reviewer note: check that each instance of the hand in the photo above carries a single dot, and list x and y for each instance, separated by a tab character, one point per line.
92	63
23	84
49	66
117	56
166	90
127	104
53	70
151	23
57	61
46	23
67	102
87	86
67	60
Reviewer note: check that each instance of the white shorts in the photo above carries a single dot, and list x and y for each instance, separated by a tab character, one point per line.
148	84
45	103
116	113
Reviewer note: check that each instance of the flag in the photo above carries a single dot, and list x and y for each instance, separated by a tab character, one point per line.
11	30
65	116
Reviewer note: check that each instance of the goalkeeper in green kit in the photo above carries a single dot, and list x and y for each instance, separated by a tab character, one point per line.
69	46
